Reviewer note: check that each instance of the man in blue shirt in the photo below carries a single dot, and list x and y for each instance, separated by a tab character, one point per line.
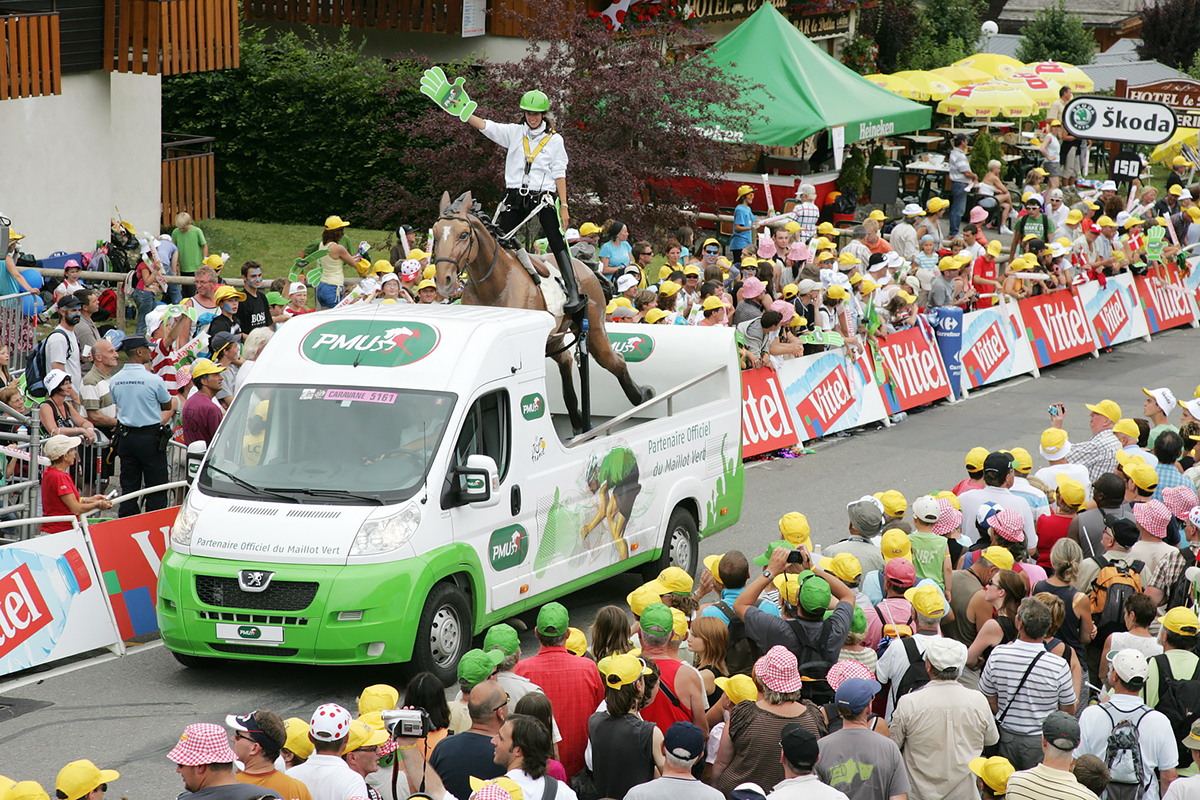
729	575
743	224
143	406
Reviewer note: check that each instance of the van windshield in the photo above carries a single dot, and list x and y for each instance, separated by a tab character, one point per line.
326	444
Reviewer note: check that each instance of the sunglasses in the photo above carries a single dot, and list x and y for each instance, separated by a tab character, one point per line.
712	250
1033	208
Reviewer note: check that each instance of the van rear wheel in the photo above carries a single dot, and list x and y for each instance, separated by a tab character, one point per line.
444	633
681	548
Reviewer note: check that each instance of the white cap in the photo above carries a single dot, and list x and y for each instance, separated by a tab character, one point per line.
1130	665
389	276
807	190
1035	197
626	282
154	320
912	210
1185	195
943	653
1193	407
330	722
926	509
54	379
571	234
809	285
1108	186
1122	217
297	287
56	447
1164	397
1057	194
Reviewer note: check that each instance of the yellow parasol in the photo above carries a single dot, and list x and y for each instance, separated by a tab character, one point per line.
935	86
1174	146
1042	90
988	100
897	85
1062	72
963	76
993	64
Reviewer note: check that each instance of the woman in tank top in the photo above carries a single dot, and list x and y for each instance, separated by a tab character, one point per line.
1077	627
626	750
1004	592
333	263
1139	614
709	640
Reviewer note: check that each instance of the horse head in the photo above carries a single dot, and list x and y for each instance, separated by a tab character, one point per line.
454	242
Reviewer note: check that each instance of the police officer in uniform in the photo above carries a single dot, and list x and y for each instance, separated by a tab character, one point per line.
143	403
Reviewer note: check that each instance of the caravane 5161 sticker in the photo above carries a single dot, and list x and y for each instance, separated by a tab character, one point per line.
369	344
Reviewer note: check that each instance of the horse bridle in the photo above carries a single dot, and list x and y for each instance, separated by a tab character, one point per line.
471	242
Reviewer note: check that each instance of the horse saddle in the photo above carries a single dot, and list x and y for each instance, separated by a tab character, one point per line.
541	265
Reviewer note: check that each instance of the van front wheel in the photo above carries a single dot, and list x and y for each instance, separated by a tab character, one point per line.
681	548
444	633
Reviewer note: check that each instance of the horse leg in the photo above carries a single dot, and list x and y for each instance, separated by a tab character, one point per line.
570	399
601	349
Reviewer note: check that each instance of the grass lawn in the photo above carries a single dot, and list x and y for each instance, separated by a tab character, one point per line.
276	246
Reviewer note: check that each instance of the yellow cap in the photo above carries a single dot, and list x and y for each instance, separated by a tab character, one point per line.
876	215
936	204
1071	491
691	269
995	248
1127	427
844	565
378	697
792	226
713	565
576	643
416	254
203	366
894	504
679	625
589	229
1023	459
1175	190
788	585
334	222
824	255
821	243
711	303
429	272
81	777
927	601
950	497
505	783
793	526
669	288
994	771
1052	443
738	688
867	286
837	292
675	580
654	315
363	735
848	259
826	229
26	790
744	190
975	458
645	595
1106	408
855	279
297	737
948	263
1144	476
999	557
1181	620
426	284
1106	222
664	272
621	669
895	544
1074	216
790	291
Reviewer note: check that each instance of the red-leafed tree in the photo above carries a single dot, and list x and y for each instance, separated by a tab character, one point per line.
638	111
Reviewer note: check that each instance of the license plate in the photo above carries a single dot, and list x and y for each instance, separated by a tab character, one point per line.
259	634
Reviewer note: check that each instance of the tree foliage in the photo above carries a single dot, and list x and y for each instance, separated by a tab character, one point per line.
296	126
636	117
915	36
1056	34
1171	32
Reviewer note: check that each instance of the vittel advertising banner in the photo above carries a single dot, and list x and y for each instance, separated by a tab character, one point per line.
1113	310
828	392
1167	304
130	551
1057	327
51	603
916	374
994	346
766	422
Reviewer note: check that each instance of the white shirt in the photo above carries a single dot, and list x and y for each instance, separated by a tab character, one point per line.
972	500
64	350
805	787
1184	789
1155	737
1059	216
1077	471
329	778
548	165
894	663
532	789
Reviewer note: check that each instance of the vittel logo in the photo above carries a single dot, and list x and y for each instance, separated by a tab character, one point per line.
23	610
1113	316
991	349
765	417
914	370
832	396
1169	300
1064	326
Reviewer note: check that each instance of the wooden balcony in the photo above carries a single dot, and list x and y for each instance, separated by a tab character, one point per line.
188	177
30	64
171	37
419	16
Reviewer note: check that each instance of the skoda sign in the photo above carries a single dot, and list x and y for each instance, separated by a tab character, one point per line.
1117	119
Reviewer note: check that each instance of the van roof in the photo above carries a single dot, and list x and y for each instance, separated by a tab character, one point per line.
435	347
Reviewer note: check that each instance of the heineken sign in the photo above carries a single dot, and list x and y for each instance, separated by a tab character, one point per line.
369	344
634	346
1118	119
508	547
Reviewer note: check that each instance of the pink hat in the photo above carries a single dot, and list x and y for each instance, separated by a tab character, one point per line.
778	670
785	308
1009	525
752	287
949	518
330	722
766	246
799	252
71	263
978	214
491	791
1152	517
843	671
900	571
202	743
1180	500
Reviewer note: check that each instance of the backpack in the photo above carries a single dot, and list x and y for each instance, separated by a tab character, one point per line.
916	676
36	367
1123	757
1109	590
742	651
1178	701
813	663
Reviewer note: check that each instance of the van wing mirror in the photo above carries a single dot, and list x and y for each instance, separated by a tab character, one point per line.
478	481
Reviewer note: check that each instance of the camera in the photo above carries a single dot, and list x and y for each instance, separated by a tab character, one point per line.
410	722
1055	410
796	557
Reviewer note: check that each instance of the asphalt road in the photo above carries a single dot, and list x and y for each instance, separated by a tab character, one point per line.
127	713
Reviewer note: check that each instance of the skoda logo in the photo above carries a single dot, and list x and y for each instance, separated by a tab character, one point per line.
1083	116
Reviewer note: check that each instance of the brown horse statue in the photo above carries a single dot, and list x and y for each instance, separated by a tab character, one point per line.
463	243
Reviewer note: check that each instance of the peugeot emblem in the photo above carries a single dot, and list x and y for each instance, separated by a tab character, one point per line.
254	580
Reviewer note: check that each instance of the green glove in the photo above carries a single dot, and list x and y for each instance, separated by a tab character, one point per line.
452	97
1154	243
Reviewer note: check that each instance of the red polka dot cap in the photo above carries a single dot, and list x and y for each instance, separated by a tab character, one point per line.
330	722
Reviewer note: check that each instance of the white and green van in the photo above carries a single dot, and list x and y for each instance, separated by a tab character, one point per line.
394	479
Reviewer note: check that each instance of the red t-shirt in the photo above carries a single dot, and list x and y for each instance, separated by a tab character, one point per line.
56	483
1050	528
574	687
966	485
662	712
984	268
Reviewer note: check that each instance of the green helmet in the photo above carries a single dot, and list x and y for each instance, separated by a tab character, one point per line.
535	101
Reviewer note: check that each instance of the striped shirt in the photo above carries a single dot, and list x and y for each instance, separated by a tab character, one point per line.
1168	476
1098	454
1048	686
1046	783
163	365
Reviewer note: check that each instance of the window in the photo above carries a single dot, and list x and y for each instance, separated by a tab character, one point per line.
486	431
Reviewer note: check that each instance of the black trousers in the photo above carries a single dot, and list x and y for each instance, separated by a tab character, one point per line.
142	465
518	206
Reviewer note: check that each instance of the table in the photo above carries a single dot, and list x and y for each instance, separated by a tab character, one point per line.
922	139
929	176
1010	158
952	131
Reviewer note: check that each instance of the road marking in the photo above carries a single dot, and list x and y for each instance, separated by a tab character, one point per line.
58	672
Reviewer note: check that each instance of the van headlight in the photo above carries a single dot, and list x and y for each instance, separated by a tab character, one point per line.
185	520
384	534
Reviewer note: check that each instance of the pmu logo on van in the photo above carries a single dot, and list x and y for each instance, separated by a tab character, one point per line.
249	632
634	346
533	406
1112	317
829	399
508	547
989	352
366	343
23	610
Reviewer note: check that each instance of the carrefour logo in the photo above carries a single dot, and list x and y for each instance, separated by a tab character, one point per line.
533	406
634	346
508	547
369	344
1083	116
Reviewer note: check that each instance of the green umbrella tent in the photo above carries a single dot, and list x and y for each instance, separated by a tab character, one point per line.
806	89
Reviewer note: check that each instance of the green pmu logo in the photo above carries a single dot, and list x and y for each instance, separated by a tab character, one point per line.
249	632
533	406
508	547
634	346
370	344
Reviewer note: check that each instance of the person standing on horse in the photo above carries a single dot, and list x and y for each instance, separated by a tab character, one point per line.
535	169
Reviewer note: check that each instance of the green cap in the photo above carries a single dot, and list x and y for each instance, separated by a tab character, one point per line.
502	637
814	593
276	299
553	620
535	100
657	620
476	666
858	623
763	560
